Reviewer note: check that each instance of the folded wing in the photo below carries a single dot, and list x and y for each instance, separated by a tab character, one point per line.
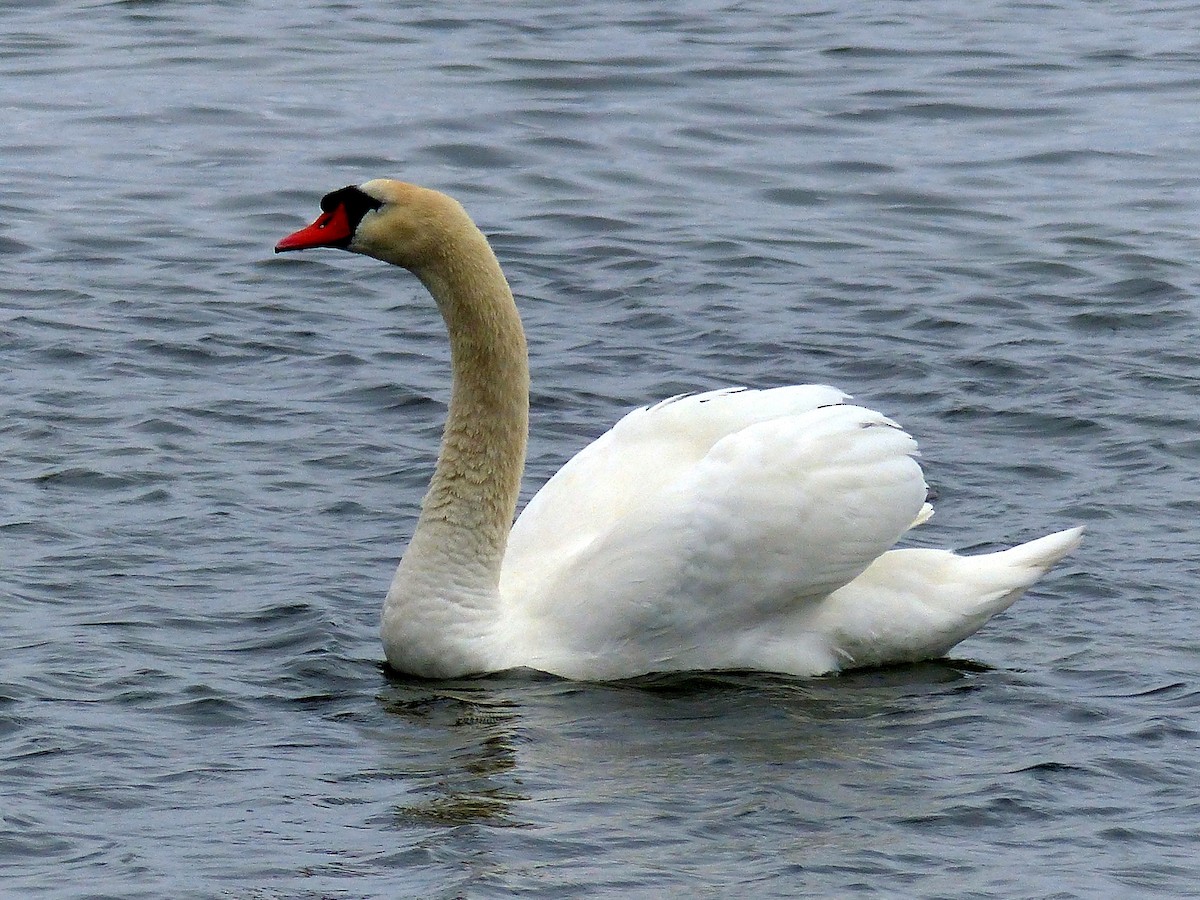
703	518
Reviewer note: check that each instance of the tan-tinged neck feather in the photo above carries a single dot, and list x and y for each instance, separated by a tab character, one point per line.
454	558
478	475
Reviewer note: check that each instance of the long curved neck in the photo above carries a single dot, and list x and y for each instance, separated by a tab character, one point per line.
456	550
473	494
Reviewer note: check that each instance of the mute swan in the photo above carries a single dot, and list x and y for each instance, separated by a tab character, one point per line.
735	529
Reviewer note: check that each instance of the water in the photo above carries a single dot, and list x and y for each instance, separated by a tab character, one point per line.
980	218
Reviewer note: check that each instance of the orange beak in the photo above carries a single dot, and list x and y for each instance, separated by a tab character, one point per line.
332	229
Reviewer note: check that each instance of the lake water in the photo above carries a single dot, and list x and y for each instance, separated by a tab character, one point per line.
981	218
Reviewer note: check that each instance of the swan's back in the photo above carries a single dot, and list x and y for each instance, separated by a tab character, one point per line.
645	451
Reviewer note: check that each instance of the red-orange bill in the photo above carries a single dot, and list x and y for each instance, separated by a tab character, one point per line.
332	229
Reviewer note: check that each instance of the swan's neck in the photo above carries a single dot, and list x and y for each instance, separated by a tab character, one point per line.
473	494
445	588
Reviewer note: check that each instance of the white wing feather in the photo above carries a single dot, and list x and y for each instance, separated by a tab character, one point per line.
704	517
642	454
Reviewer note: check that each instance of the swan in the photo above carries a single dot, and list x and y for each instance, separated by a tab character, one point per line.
733	529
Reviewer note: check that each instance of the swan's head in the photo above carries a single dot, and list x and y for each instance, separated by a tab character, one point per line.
400	223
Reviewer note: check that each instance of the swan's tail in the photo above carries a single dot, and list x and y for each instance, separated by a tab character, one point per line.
1019	567
917	604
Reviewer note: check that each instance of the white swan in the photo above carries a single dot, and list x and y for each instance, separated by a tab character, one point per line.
735	529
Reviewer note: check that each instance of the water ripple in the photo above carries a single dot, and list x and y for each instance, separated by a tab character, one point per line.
982	224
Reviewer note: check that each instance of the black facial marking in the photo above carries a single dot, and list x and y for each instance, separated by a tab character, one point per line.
357	203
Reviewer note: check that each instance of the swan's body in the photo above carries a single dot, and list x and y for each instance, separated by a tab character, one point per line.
730	530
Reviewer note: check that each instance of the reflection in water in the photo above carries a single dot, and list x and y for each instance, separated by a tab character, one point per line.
626	774
464	775
487	739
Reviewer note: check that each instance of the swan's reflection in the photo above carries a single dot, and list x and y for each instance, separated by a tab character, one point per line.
466	773
489	751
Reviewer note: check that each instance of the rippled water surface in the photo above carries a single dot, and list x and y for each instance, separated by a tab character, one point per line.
980	218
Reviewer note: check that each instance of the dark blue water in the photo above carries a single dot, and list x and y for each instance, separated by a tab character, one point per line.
980	218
